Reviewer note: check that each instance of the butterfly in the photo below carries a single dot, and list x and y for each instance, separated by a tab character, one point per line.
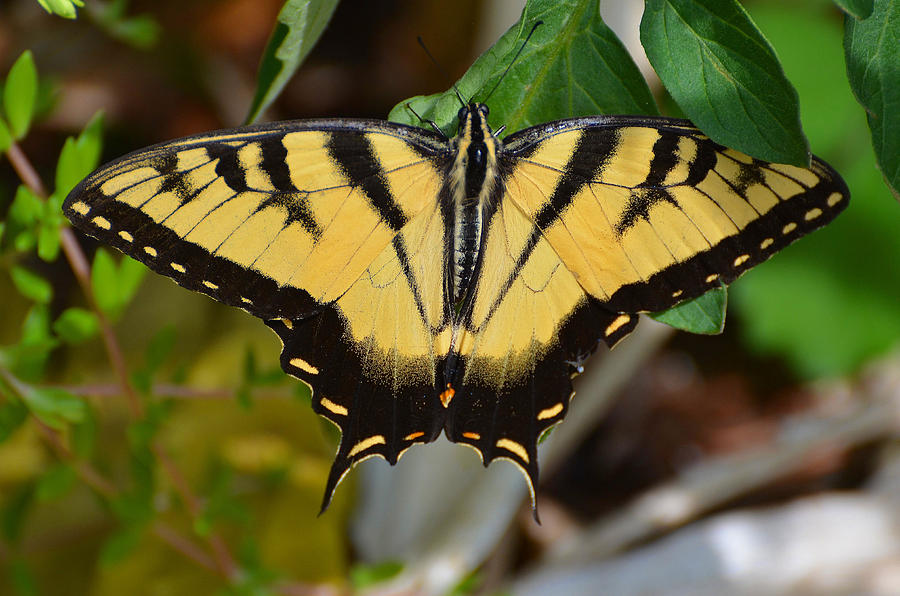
423	284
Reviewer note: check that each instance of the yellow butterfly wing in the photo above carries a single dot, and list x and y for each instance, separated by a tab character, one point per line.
599	219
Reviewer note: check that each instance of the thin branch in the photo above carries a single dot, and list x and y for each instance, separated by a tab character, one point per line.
175	391
184	546
26	172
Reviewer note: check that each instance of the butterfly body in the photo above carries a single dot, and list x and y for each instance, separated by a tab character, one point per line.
422	284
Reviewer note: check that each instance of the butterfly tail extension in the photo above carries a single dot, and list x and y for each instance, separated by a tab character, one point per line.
505	416
375	418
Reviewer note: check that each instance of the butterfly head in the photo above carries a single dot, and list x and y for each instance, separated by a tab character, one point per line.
473	120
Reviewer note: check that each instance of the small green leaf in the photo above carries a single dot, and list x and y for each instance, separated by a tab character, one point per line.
704	314
871	53
159	348
114	286
28	357
365	576
90	142
53	406
103	281
79	156
725	76
121	544
300	24
48	243
20	93
141	31
26	208
84	433
68	168
36	326
55	482
31	285
14	512
63	8
76	325
22	577
12	414
573	65
858	9
5	136
130	275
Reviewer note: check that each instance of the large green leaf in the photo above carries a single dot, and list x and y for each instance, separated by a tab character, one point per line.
300	23
858	9
725	76
573	65
828	303
704	314
872	50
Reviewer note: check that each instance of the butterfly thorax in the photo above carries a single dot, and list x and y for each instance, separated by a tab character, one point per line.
472	178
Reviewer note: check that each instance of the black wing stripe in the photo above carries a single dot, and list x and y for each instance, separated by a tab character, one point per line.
591	154
229	167
355	156
274	163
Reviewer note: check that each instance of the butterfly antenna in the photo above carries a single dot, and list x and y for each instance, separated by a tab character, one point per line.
513	61
433	124
441	68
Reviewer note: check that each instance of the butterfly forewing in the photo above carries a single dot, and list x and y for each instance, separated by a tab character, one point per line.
648	212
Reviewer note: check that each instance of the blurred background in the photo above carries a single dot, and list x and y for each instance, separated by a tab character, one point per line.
761	460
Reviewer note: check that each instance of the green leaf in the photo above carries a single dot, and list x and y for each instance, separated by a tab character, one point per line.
573	65
300	24
364	576
53	406
84	433
26	208
76	325
5	136
48	243
160	347
873	67
130	275
14	512
28	357
704	314
55	482
79	156
858	9
114	286
103	282
22	578
63	8
121	544
36	326
812	305
723	73
20	93
12	414
31	285
141	31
